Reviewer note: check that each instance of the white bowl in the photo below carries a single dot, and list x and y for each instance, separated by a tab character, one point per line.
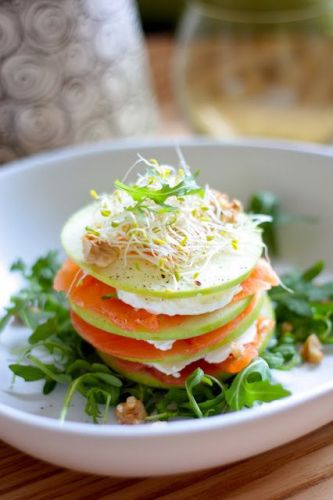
36	197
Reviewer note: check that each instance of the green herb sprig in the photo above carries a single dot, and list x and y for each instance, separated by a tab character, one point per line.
253	384
267	203
303	306
140	194
74	364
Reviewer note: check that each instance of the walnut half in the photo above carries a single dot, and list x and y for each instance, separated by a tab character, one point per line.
312	350
131	412
230	208
97	251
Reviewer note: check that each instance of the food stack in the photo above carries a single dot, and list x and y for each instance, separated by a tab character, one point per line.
164	276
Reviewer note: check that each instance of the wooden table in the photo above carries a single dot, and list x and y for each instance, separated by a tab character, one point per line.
300	470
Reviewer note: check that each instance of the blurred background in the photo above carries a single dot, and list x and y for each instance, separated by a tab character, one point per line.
77	71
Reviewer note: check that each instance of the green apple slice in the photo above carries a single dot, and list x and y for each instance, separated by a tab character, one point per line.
225	269
138	372
143	375
249	319
192	326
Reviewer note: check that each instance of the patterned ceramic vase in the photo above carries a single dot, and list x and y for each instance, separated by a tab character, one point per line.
71	71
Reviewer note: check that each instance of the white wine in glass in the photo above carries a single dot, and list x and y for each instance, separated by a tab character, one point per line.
243	68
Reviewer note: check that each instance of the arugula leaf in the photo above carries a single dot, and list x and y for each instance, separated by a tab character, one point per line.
313	271
5	320
75	365
49	386
253	384
43	331
46	313
282	353
19	265
98	388
51	372
95	397
28	373
308	309
267	203
298	305
195	379
141	193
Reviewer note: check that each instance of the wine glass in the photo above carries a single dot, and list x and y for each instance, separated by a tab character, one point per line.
256	69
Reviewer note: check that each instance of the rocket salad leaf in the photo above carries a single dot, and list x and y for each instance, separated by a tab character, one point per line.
302	307
253	384
56	355
267	203
195	379
186	186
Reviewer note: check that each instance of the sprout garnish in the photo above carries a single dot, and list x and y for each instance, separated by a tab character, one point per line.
169	221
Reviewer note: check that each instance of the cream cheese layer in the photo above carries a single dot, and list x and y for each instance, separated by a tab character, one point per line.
198	304
214	356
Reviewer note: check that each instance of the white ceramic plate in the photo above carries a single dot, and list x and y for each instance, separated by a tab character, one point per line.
36	197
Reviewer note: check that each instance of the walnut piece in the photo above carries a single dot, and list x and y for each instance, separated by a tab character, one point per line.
230	208
131	412
312	350
97	251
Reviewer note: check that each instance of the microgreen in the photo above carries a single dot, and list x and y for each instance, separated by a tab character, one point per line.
165	214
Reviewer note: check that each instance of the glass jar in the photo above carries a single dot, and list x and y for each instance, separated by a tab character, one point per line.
257	68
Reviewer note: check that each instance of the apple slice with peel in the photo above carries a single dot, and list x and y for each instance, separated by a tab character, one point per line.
139	350
225	269
146	375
